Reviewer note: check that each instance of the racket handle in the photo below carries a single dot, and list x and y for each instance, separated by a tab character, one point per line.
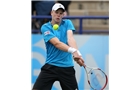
84	65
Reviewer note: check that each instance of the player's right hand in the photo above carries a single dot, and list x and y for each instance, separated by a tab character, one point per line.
78	58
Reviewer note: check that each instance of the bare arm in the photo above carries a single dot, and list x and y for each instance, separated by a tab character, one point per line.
72	43
62	46
71	40
58	44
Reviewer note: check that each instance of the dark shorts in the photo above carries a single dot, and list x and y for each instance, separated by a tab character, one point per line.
49	74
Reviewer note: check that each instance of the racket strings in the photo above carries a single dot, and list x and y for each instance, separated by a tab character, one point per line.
97	79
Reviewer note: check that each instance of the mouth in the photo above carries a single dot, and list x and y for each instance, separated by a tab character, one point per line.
58	18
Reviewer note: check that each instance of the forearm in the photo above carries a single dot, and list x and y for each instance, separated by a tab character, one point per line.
72	43
77	56
62	46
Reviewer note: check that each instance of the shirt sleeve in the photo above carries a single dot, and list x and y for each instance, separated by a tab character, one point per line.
70	25
46	33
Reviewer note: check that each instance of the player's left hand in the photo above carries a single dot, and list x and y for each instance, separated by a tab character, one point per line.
80	61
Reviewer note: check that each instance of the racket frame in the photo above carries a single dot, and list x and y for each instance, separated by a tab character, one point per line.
95	68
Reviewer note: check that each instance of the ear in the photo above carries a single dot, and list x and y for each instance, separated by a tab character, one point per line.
51	12
65	14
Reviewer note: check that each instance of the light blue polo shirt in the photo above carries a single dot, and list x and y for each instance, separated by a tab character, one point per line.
55	56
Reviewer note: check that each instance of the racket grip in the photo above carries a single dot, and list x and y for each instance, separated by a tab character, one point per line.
84	65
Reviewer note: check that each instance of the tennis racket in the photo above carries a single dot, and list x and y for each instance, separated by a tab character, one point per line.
97	79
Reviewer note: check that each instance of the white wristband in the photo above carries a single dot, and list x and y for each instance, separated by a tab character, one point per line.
79	52
71	50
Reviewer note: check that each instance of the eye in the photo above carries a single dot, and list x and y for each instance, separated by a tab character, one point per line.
56	12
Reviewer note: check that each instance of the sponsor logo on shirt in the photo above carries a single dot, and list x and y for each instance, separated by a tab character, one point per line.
46	33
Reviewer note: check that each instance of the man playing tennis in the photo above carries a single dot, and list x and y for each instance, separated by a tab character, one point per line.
61	48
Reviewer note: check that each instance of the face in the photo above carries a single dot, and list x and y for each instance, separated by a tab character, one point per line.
57	15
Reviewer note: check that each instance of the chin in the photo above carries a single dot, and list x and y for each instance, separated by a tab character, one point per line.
57	21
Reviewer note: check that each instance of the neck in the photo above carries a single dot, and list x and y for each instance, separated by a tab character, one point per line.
53	22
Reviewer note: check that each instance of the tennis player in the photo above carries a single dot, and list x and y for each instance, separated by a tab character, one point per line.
61	51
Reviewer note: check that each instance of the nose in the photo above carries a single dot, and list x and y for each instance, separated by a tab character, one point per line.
58	14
